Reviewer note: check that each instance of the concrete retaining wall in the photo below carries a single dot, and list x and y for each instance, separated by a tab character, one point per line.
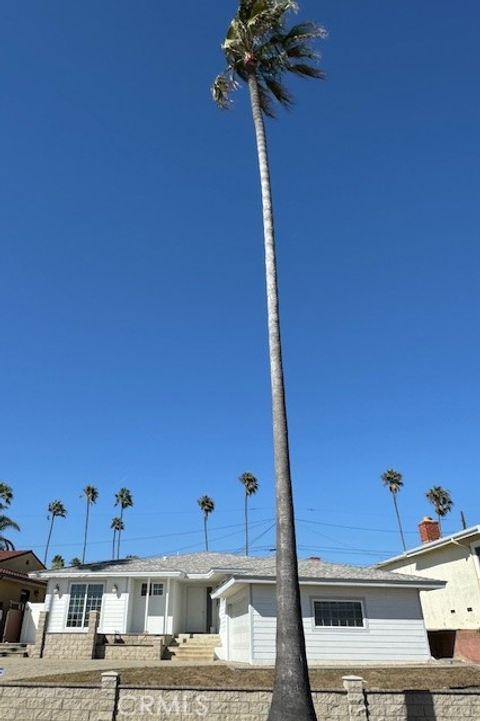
113	702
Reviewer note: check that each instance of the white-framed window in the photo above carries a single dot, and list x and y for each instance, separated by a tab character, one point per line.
156	589
341	613
84	597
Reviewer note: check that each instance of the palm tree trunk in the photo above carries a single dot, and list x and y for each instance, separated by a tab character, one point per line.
399	521
205	517
292	699
119	532
86	531
48	541
246	524
439	524
113	546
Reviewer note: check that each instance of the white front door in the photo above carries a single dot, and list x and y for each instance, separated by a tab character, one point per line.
196	609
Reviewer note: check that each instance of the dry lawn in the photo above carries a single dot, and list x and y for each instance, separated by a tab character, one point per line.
227	677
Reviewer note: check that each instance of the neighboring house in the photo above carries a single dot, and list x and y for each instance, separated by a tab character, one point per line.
452	613
17	588
354	614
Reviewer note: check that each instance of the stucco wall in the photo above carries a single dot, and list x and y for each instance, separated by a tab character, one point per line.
447	608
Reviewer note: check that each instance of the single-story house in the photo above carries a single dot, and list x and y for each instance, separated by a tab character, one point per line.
452	613
226	603
16	589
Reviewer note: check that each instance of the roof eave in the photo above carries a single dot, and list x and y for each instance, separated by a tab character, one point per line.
424	585
48	575
432	546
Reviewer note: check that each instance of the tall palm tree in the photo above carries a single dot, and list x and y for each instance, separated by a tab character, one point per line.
6	495
124	499
207	506
5	525
118	525
393	481
55	509
250	484
442	502
58	562
90	493
260	50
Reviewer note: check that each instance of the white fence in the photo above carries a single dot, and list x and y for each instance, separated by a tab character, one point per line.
30	622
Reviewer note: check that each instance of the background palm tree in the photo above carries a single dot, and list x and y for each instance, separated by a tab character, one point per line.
90	493
207	506
6	495
55	508
250	484
6	524
124	499
118	525
441	500
75	561
393	481
58	562
260	50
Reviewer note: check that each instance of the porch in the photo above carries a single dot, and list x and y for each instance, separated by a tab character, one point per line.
166	607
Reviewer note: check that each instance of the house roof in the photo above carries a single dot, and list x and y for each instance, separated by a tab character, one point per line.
9	555
21	577
5	555
221	566
462	535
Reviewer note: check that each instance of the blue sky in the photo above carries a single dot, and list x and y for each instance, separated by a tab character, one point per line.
132	312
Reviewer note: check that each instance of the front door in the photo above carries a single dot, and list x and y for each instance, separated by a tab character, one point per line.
196	609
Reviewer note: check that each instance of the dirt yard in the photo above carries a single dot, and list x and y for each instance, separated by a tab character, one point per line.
427	677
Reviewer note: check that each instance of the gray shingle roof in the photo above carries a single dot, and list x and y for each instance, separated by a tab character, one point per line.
227	565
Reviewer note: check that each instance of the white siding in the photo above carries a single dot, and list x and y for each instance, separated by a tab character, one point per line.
221	650
394	626
57	605
114	606
239	629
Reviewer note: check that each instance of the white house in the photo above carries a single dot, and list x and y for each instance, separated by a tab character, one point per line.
228	602
452	613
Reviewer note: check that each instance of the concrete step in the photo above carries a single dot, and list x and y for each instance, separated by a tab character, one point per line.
194	651
197	639
13	649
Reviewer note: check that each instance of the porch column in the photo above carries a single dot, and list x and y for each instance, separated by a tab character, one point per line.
147	603
167	605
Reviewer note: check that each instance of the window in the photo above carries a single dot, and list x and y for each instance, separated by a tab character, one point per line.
156	589
330	614
84	597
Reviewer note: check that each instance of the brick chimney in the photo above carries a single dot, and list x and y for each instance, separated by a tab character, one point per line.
429	530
